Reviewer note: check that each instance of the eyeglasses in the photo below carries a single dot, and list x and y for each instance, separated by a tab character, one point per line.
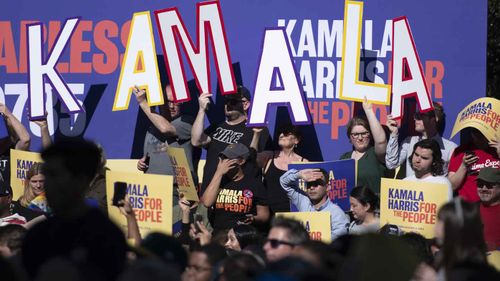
488	185
275	243
357	135
197	268
315	183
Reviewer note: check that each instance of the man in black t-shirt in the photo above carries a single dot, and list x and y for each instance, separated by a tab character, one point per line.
234	130
235	197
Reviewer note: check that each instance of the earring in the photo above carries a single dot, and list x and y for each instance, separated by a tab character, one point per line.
11	208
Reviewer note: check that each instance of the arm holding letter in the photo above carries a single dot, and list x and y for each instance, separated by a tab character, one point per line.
395	154
380	142
264	156
198	137
21	136
162	124
44	131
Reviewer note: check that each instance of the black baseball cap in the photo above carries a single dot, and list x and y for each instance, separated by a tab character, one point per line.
243	93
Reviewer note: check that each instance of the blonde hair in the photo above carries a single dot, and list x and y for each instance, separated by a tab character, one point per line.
29	195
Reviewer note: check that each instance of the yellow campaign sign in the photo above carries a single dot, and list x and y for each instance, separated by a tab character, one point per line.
20	163
150	197
183	176
482	114
123	165
411	205
317	224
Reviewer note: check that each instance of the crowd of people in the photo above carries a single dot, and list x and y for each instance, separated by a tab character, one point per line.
58	229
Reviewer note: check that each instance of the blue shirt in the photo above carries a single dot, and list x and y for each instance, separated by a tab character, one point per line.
289	182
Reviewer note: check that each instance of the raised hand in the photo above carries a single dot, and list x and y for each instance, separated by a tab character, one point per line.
225	165
392	125
139	94
204	101
310	175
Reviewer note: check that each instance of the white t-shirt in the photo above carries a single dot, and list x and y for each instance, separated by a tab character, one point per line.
434	179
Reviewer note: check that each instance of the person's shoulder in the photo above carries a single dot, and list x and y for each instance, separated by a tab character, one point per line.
448	143
410	178
345	155
186	119
440	179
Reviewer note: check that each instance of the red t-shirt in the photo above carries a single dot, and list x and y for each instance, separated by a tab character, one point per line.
488	158
491	221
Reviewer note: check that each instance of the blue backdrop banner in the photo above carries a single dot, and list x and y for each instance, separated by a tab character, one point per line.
450	37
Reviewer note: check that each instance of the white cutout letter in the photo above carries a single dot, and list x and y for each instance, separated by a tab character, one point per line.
276	61
209	25
139	64
407	77
38	69
350	86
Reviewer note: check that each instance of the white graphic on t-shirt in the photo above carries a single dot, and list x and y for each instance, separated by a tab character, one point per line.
227	136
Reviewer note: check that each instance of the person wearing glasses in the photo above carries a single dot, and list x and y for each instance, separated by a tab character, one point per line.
488	189
315	198
369	145
285	234
427	125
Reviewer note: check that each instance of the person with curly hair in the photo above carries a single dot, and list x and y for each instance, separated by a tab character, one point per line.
427	164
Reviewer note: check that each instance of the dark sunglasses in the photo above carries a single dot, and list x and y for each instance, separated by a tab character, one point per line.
233	101
488	185
419	116
315	183
275	243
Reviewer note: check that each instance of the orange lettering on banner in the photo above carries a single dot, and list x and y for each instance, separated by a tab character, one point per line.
54	29
315	235
103	31
323	112
23	43
434	73
340	117
79	47
7	48
148	215
124	37
419	217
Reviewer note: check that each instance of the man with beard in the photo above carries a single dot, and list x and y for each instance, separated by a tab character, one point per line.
315	198
216	138
236	197
488	189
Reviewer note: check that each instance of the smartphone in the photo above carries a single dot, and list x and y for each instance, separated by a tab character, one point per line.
146	161
197	218
468	152
120	192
